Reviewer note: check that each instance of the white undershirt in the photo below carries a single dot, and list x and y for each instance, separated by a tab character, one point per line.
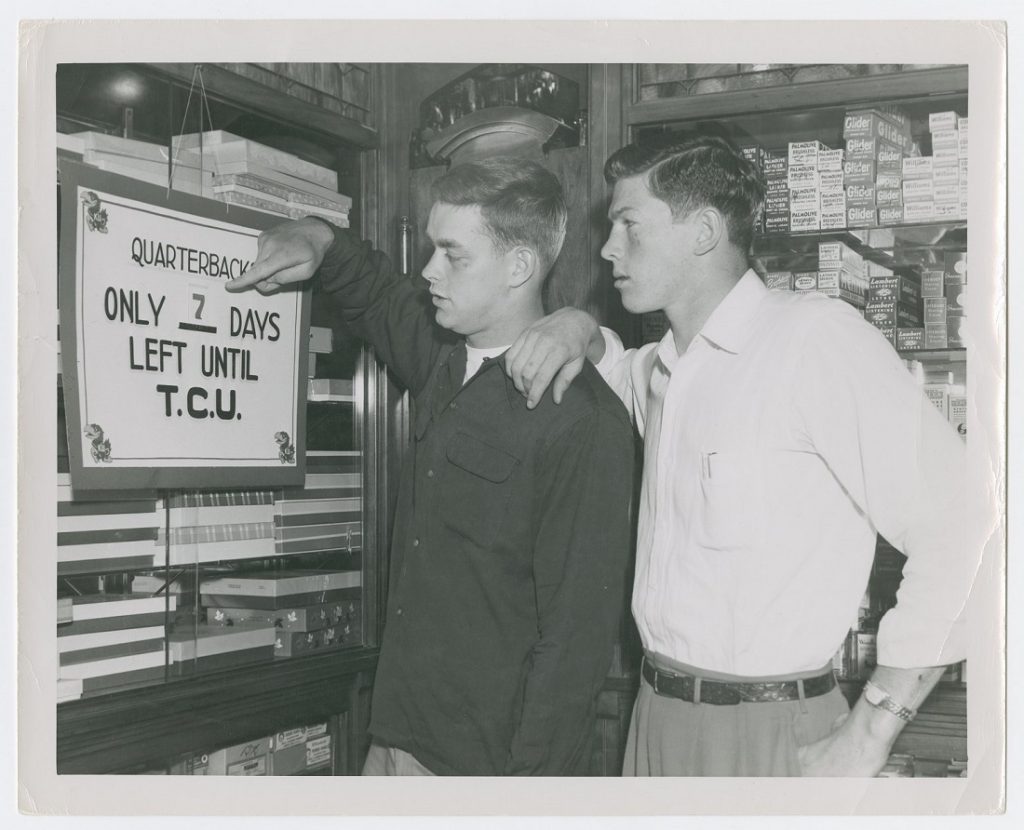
475	358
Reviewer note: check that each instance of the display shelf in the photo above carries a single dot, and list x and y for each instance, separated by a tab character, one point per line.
933	356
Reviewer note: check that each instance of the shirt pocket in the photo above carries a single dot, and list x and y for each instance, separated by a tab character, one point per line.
729	514
477	487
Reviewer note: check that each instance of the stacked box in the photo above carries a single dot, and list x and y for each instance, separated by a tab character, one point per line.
805	280
805	185
876	141
901	288
295	751
775	166
842	273
779	280
910	339
891	313
957	411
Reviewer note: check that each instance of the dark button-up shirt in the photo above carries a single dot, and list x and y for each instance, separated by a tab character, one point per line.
510	545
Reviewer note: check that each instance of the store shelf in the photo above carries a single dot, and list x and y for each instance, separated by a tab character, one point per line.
936	355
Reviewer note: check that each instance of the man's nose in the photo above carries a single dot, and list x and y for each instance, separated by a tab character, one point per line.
430	270
611	249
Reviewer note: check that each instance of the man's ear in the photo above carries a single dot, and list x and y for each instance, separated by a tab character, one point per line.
711	229
525	263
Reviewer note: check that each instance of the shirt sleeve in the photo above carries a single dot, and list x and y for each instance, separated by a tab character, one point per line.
904	466
581	557
382	308
621	369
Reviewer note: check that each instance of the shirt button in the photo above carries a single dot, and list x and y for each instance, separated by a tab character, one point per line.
416	542
452	405
399	612
430	473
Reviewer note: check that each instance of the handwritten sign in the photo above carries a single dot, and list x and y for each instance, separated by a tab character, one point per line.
169	380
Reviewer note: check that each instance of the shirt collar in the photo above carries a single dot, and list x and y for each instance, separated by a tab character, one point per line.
729	326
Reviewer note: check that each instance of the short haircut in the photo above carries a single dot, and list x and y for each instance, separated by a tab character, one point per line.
521	203
697	171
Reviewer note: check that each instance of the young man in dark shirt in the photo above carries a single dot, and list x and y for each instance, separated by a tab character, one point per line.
512	530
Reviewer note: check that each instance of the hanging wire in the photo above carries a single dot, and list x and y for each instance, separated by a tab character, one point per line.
204	105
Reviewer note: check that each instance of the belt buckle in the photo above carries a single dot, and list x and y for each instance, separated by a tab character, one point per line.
655	683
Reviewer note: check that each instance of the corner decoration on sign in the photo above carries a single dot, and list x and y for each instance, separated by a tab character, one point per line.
169	380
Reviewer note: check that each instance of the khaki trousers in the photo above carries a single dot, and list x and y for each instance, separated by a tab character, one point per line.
668	736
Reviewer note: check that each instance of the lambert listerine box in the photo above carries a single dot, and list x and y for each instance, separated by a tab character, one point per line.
894	288
888	197
910	339
831	161
889	333
870	148
917	168
955	266
918	211
801	177
890	215
805	280
861	217
805	153
891	313
938	121
859	171
889	160
887	181
779	280
934	310
955	332
860	195
249	758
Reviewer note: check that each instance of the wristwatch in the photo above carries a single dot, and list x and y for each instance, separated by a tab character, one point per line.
881	699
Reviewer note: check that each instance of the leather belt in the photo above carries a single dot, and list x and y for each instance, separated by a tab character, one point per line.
720	693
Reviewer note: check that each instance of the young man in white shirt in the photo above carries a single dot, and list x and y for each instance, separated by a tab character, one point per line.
782	433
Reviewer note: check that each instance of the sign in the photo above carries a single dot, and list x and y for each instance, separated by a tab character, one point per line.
169	380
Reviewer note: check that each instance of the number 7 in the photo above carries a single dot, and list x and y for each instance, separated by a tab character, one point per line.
201	300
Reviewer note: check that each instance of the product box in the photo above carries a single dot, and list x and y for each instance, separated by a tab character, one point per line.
933	283
198	764
888	181
917	168
890	215
249	758
301	750
853	285
934	310
945	138
947	211
874	269
752	152
936	336
902	289
859	171
873	124
775	163
320	339
304	618
776	204
833	201
918	211
804	220
944	176
779	280
830	180
870	148
961	144
831	161
946	157
889	160
938	121
938	394
889	333
805	153
860	195
833	219
802	177
804	199
946	194
805	280
954	266
891	313
910	339
957	413
861	217
776	223
776	184
888	197
955	295
839	294
917	190
955	332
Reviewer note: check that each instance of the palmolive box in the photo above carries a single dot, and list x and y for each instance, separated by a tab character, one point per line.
830	180
833	219
776	223
779	280
805	153
831	161
870	148
833	202
910	339
807	199
891	313
802	177
777	202
861	217
804	220
775	163
894	288
917	168
859	171
860	195
776	184
938	121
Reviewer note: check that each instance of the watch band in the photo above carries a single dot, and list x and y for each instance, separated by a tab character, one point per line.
881	699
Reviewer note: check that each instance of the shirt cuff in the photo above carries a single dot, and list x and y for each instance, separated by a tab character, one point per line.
613	352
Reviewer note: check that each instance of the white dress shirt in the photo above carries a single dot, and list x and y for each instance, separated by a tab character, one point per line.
786	436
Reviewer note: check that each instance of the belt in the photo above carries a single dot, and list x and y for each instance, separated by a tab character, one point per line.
720	693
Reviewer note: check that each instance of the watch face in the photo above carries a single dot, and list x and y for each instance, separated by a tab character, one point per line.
873	694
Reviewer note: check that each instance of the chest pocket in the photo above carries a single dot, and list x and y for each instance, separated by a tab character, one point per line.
477	488
730	503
